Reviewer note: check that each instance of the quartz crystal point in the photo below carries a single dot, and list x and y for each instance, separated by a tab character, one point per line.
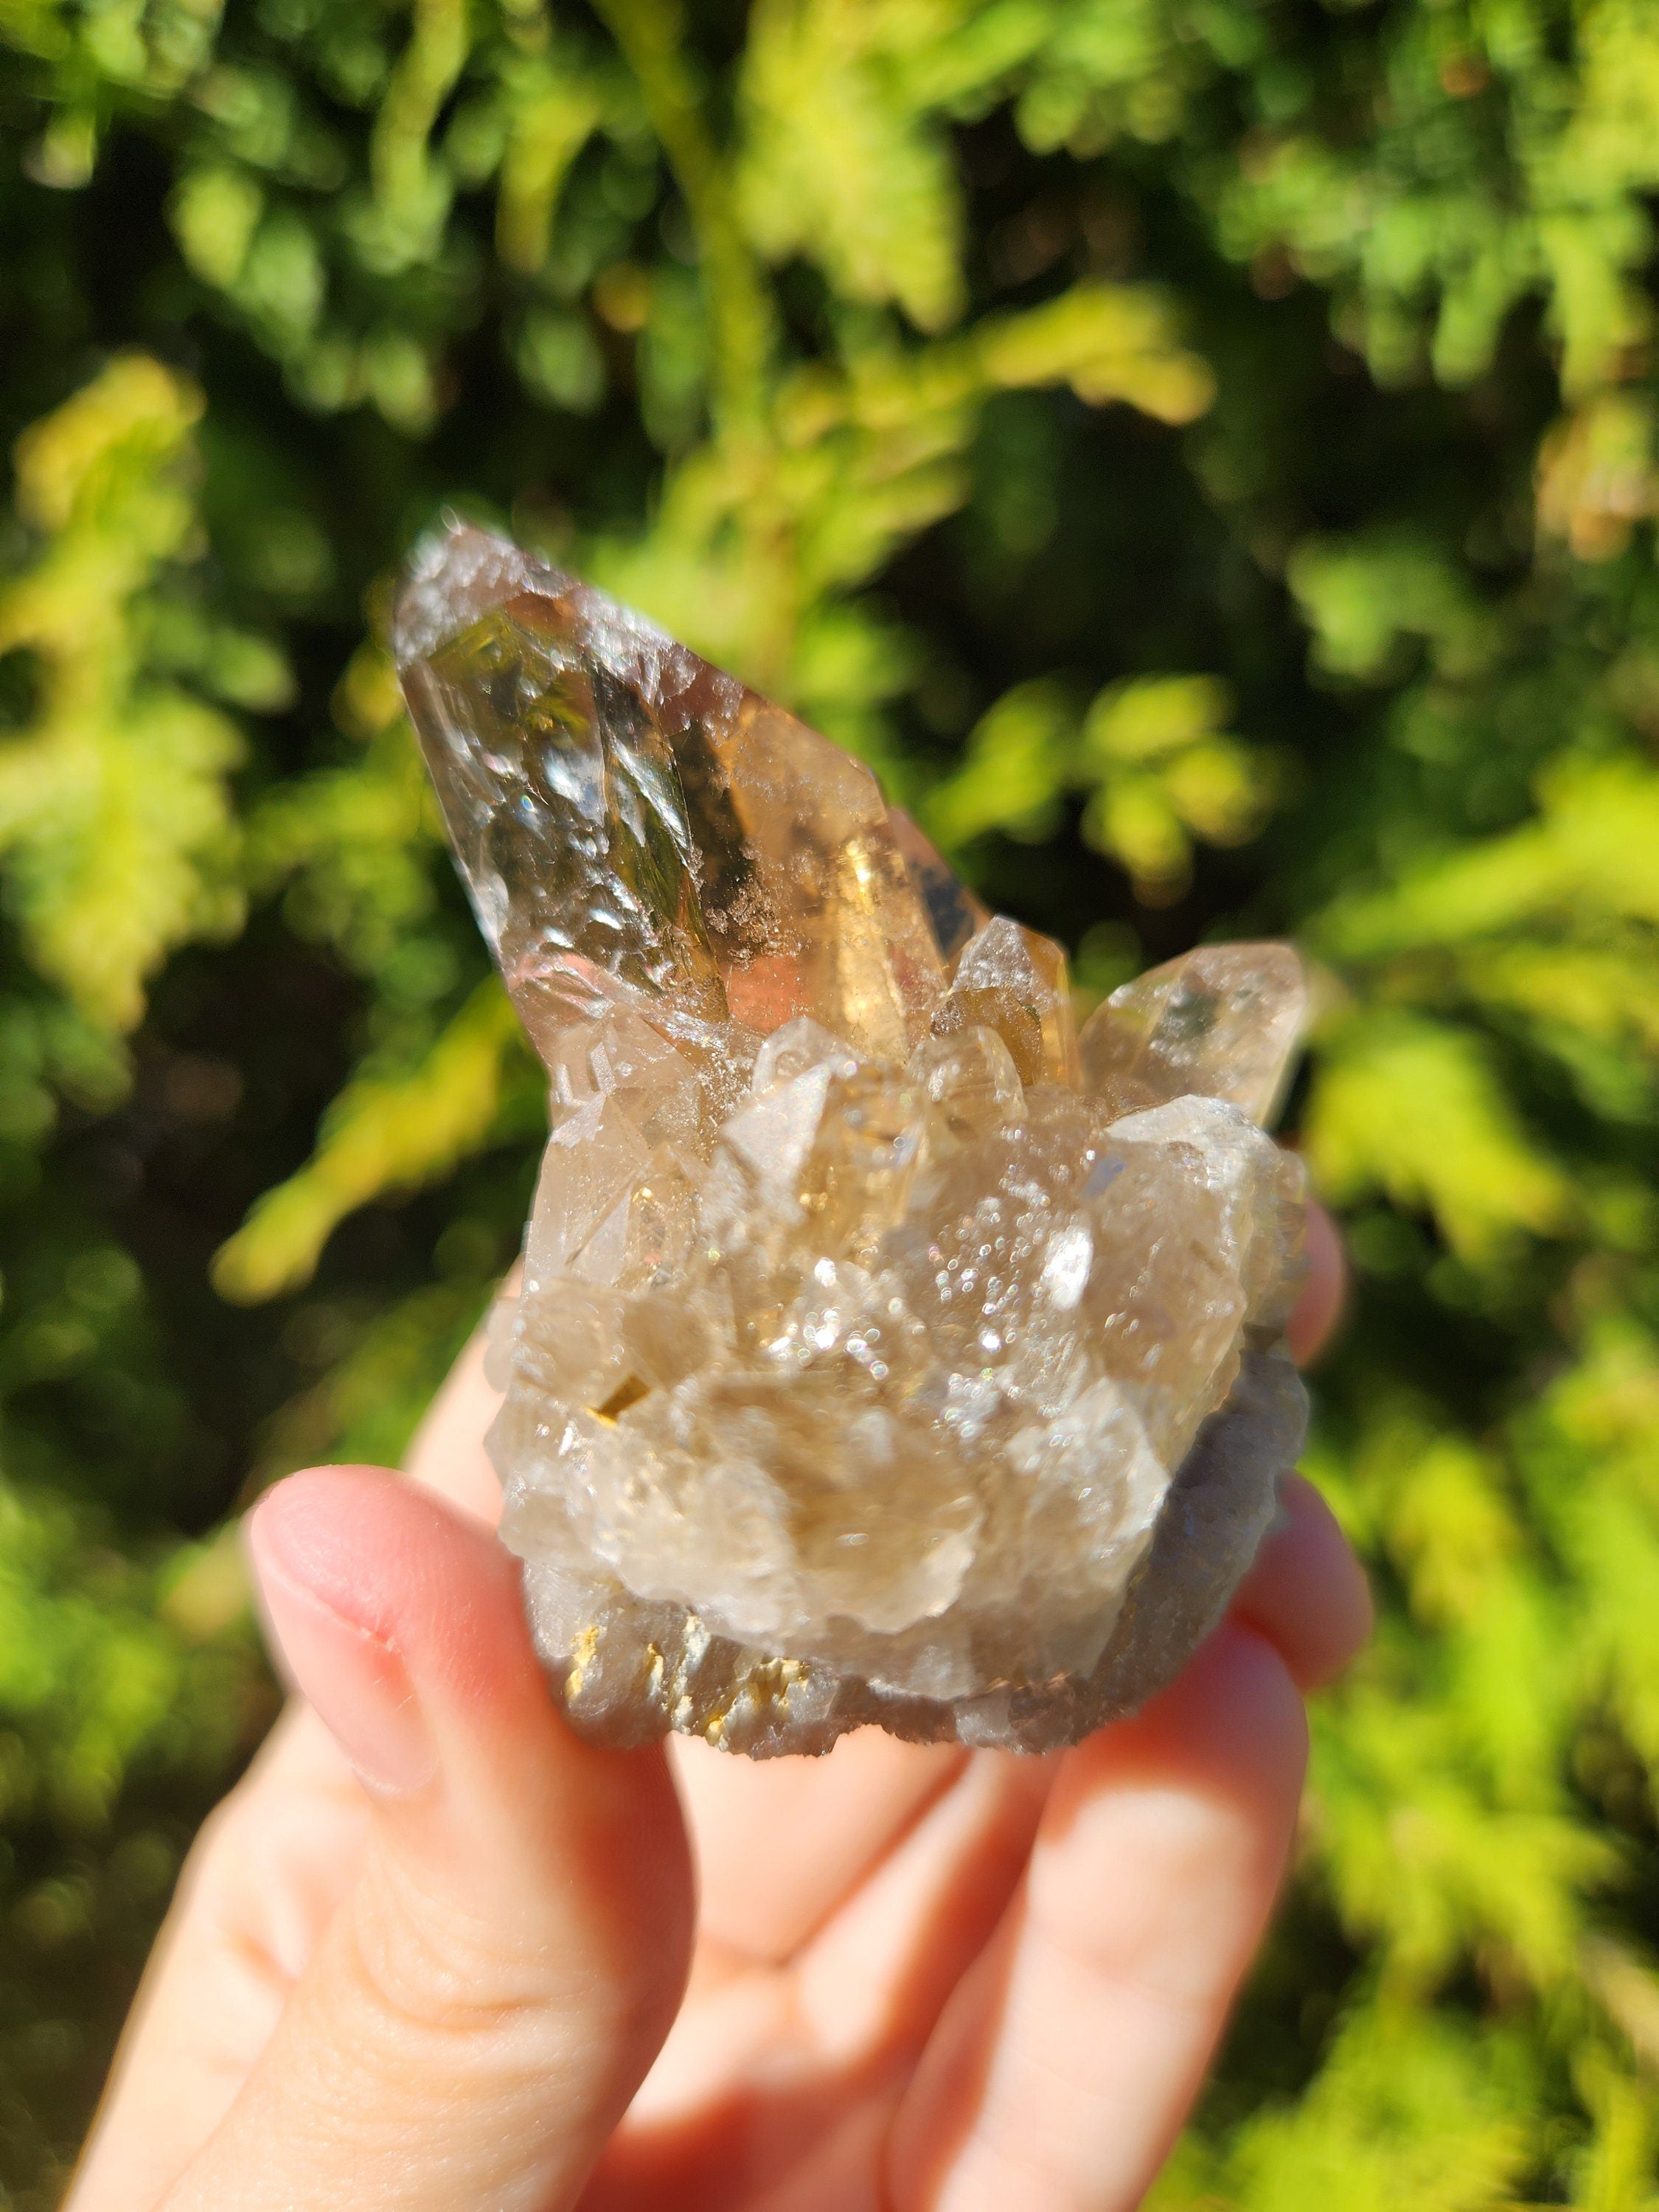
885	1351
1222	1022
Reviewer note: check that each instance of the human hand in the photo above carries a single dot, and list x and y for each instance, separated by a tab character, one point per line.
425	1955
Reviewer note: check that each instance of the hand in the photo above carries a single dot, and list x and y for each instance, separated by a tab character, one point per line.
423	1957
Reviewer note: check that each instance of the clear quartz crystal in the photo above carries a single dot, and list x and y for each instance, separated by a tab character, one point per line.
886	1351
1222	1022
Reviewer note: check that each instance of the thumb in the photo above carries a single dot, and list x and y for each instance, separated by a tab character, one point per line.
488	1998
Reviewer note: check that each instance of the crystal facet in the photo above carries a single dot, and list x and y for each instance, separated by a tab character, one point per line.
885	1350
1223	1021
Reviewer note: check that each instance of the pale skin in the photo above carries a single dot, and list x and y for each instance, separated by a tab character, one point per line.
435	1954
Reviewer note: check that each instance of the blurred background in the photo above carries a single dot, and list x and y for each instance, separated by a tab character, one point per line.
1204	453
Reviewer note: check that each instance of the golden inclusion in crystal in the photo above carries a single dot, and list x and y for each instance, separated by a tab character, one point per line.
886	1350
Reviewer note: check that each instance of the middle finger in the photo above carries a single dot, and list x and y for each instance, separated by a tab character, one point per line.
780	1842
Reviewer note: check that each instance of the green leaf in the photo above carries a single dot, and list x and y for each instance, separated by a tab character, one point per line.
1415	1109
117	838
843	162
384	1134
1018	760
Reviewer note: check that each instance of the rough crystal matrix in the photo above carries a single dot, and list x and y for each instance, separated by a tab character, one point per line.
887	1351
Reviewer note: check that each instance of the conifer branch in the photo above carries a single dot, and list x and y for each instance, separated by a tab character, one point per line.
651	34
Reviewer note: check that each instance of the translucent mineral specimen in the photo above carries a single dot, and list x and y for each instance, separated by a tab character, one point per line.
1222	1022
885	1351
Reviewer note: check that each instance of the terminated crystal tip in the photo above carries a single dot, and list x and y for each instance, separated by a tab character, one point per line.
887	1350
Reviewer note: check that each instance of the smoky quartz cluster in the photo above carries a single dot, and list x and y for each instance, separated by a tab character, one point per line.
888	1349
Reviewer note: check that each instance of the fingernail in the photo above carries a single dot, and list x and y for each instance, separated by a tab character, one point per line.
354	1681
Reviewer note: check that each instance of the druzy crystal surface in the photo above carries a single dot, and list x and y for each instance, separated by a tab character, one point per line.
886	1349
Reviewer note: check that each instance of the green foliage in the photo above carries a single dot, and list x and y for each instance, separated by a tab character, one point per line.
127	1685
114	812
1204	453
1152	755
383	1133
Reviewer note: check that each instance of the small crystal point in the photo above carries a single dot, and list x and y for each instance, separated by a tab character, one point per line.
1222	1022
828	916
1011	980
970	1079
885	1351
